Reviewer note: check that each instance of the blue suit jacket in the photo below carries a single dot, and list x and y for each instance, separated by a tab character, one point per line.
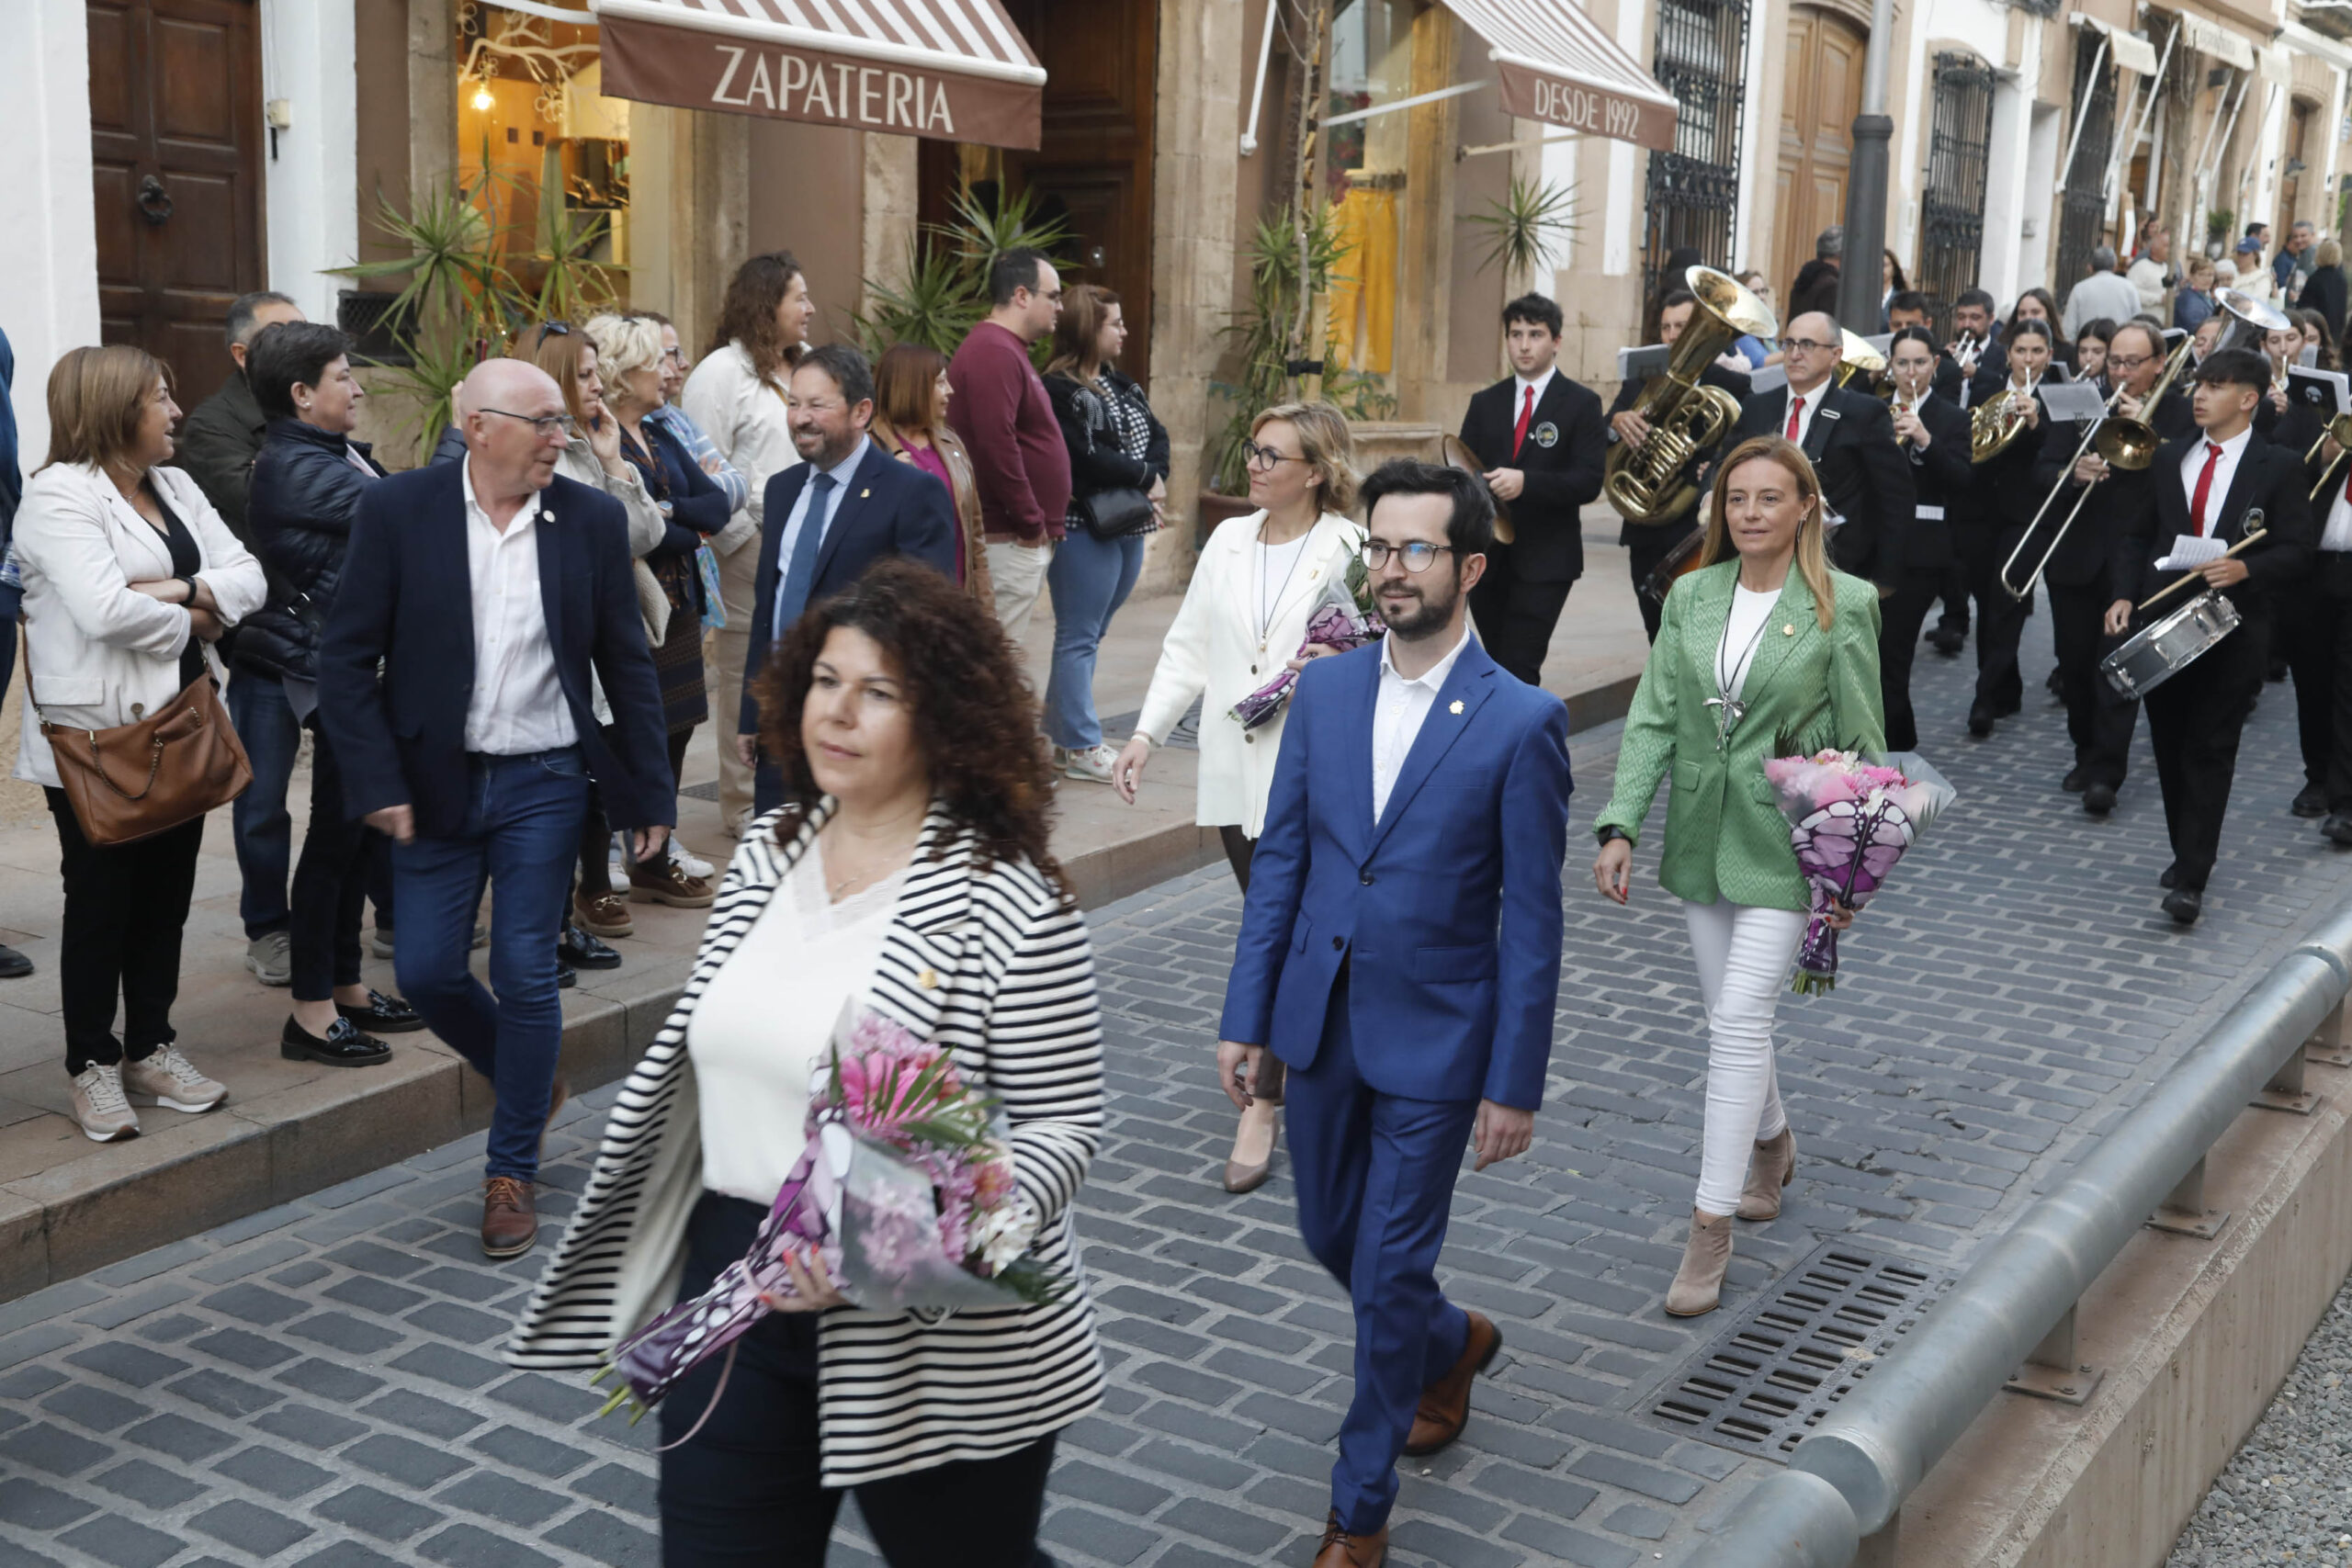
888	508
1448	909
404	599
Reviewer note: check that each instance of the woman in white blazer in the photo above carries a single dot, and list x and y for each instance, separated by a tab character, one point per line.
1244	617
130	577
907	874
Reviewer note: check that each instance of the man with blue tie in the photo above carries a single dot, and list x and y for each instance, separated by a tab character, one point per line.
846	507
1419	818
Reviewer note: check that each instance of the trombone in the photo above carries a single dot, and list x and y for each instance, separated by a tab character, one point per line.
2339	430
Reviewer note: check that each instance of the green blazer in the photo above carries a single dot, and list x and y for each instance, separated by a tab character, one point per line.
1725	837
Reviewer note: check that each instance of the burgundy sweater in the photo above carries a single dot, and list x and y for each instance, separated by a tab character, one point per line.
1007	421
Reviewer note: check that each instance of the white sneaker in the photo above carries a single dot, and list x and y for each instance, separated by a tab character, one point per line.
173	1080
98	1104
685	860
1090	766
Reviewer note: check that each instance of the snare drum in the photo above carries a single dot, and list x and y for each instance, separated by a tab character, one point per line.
2158	653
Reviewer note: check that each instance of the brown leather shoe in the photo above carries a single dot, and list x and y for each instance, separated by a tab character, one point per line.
1341	1550
602	914
1445	1404
667	884
510	1222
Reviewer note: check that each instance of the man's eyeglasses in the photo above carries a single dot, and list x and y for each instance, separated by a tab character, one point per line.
545	424
1264	459
1791	345
1417	556
2127	366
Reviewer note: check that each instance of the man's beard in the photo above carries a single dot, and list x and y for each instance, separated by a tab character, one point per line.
1424	617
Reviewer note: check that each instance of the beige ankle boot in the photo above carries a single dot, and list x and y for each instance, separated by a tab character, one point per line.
1768	1170
1698	1284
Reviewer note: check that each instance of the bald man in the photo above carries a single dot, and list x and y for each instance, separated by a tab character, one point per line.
488	590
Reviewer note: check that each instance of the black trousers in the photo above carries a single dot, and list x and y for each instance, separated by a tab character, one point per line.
1901	614
1649	546
679	741
2194	721
2000	623
330	883
125	908
1515	617
744	1493
1954	591
2312	634
2099	719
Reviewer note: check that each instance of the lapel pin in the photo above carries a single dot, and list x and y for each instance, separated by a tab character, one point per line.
547	515
864	493
927	978
1789	631
1456	708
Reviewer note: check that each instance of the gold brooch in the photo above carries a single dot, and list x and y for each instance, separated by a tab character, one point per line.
1789	631
864	493
1456	708
928	979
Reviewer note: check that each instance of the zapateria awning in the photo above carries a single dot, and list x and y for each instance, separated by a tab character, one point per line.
1558	66
954	70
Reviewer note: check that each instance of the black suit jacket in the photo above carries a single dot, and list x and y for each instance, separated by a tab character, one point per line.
404	600
1562	459
2085	553
1942	479
888	508
1865	476
1991	369
2269	477
1627	392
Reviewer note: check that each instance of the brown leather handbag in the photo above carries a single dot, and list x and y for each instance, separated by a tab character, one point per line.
135	780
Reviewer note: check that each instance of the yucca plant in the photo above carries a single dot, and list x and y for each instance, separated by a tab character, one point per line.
1525	230
936	306
979	235
452	266
573	286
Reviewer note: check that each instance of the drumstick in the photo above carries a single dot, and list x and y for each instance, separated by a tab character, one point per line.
2254	533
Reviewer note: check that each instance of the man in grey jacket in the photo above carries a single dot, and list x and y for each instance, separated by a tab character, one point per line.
2103	294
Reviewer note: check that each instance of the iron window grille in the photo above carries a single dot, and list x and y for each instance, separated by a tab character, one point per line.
1952	225
2082	205
1693	190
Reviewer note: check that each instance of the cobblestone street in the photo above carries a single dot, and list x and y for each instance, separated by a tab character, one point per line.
318	1384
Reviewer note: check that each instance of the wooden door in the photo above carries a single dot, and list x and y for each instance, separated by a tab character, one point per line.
1821	93
1092	165
175	129
2290	186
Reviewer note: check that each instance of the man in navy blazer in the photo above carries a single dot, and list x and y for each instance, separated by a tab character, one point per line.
1417	821
867	505
486	591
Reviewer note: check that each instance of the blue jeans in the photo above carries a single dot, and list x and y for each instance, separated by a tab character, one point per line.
264	833
1089	579
522	832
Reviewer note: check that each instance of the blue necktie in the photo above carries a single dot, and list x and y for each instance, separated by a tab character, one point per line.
800	575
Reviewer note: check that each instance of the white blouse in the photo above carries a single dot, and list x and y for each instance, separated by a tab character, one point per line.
762	1026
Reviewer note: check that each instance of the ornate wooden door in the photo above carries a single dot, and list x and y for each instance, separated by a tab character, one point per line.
176	130
1821	93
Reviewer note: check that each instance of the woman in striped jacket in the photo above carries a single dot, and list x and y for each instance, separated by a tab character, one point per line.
910	873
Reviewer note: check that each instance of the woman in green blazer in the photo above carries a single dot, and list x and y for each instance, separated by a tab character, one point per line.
1763	649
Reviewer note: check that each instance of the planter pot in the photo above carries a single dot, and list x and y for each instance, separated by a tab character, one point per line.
1215	509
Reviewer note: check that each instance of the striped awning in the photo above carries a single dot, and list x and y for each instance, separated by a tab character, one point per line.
954	69
1558	66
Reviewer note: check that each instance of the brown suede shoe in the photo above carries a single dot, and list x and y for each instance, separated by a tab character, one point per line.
510	1222
1769	1169
602	914
1699	1284
1445	1404
1341	1550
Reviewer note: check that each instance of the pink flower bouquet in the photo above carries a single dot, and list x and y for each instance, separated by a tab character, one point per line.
1850	818
1343	622
905	1194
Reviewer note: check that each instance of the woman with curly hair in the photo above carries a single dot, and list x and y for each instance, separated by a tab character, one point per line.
908	872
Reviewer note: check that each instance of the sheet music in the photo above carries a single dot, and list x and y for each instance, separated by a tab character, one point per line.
1768	379
2190	551
2328	389
2073	402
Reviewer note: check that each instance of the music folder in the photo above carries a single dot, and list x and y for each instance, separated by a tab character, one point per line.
1641	364
2073	402
2330	391
1768	379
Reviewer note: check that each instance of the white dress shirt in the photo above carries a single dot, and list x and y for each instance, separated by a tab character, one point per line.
841	473
1523	385
516	706
1804	414
2224	471
1398	712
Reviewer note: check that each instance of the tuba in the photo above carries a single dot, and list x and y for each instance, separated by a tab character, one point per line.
1648	484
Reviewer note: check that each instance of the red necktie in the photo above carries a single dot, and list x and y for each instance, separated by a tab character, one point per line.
1796	407
1526	412
2204	489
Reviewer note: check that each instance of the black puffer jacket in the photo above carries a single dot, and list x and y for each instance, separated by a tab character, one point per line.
305	493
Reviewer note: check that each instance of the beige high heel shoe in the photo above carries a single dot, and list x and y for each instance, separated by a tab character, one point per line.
1240	1178
1768	1170
1698	1283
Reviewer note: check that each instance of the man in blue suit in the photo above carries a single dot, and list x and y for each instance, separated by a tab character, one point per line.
487	590
866	505
1417	821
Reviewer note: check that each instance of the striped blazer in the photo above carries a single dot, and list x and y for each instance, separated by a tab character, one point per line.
992	963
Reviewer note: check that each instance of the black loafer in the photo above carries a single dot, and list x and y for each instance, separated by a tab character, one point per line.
344	1046
2184	905
581	949
1979	721
2073	782
2099	799
385	1015
1946	641
2171	878
2310	801
14	965
566	977
2337	829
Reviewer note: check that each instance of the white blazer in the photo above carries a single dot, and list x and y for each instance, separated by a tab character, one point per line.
97	654
1212	648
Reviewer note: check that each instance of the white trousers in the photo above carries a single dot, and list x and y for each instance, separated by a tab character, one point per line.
1018	574
1744	955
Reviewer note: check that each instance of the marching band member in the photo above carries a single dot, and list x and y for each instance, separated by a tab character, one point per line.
1975	361
1933	435
2317	620
1850	438
2099	720
2006	488
1648	544
2205	488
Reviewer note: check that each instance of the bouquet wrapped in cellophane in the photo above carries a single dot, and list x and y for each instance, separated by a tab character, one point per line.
1850	818
905	1195
1343	621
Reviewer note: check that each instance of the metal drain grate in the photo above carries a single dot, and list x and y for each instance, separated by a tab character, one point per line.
1773	1374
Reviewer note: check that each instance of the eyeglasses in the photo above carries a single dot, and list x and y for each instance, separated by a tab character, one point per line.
1794	344
2129	364
1264	459
545	424
1417	556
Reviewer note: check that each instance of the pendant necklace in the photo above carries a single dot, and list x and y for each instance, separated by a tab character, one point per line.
1266	569
1729	709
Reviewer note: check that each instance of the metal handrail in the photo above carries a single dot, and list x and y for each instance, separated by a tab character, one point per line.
1849	1477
